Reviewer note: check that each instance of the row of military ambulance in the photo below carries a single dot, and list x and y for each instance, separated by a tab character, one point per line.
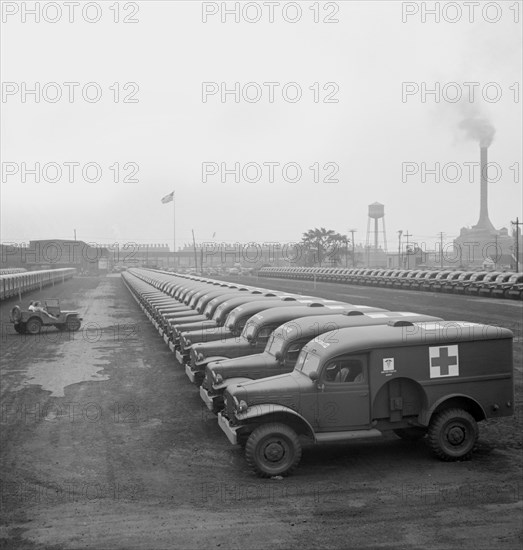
279	369
494	284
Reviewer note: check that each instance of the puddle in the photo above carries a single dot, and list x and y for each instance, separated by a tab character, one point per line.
81	364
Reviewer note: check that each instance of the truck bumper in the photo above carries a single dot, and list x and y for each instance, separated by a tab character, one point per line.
229	431
207	398
190	374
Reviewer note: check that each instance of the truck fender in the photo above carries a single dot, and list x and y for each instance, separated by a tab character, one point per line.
258	411
425	416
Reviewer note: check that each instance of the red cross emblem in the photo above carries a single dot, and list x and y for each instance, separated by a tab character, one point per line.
444	361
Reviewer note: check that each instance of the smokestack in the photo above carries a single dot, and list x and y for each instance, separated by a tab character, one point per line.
484	222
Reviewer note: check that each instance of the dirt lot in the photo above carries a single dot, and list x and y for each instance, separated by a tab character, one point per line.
106	444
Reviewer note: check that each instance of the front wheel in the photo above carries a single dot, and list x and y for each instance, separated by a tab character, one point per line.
273	450
73	324
33	326
453	434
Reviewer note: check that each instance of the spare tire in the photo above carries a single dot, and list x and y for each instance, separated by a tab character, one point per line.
16	314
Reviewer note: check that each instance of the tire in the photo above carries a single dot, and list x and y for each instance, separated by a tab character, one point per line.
16	314
73	324
18	327
33	326
453	434
411	434
273	450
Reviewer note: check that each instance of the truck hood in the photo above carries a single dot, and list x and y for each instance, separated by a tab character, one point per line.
245	366
283	389
233	347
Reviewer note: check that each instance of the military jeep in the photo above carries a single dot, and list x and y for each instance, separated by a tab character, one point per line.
434	380
31	321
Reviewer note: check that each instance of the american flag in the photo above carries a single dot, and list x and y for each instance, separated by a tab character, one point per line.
168	198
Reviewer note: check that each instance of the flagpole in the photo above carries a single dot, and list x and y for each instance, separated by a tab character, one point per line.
174	233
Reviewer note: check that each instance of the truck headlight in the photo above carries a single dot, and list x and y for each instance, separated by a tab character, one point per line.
199	357
188	342
218	378
242	407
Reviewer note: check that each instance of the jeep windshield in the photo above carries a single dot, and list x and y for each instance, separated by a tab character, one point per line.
307	362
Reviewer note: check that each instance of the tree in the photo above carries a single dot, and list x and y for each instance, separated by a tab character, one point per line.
324	242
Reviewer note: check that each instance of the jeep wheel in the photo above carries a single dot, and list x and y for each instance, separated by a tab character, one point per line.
273	450
411	434
33	326
453	434
20	328
73	324
16	314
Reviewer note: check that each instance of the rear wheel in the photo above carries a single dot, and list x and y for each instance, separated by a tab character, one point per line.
272	450
20	328
411	434
33	326
453	434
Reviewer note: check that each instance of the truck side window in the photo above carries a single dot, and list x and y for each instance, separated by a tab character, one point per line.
344	370
292	353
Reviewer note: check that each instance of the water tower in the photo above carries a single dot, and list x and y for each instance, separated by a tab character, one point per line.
376	213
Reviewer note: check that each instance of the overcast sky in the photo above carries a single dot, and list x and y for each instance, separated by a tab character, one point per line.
169	131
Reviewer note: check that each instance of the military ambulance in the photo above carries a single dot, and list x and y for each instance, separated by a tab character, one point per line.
257	329
434	379
284	346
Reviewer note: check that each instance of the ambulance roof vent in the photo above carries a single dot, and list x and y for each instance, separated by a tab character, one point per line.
315	304
352	312
400	324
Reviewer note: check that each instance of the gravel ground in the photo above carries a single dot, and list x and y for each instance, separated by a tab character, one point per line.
105	444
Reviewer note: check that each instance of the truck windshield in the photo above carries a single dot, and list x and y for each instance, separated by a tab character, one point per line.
230	319
307	362
208	308
249	330
276	343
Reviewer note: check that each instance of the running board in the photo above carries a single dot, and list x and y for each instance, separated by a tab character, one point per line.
331	437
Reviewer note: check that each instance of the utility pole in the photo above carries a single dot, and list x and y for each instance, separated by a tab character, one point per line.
407	235
195	255
441	249
496	256
75	234
517	223
352	231
400	233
